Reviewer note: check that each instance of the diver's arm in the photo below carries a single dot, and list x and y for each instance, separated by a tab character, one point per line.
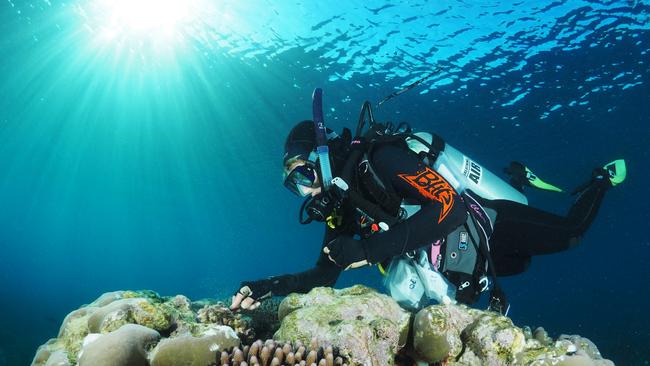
440	213
252	293
325	273
415	232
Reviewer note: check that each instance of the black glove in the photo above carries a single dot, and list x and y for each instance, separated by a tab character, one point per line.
257	290
346	252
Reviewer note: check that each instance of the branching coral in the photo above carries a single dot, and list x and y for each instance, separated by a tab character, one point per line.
272	353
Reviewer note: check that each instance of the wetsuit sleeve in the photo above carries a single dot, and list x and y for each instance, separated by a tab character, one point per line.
325	273
441	208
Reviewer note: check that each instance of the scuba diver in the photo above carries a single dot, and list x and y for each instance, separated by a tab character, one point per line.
438	225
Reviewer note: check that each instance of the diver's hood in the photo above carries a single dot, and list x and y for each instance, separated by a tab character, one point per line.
301	144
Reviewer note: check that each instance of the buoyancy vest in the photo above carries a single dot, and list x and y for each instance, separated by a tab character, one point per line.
463	262
463	255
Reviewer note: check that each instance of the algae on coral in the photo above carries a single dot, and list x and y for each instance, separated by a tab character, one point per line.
360	324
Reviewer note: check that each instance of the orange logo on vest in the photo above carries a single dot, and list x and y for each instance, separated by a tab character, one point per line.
433	186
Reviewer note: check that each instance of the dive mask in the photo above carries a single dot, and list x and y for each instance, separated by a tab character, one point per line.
301	177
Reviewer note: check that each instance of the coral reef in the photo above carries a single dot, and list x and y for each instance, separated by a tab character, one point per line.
325	327
367	327
48	356
437	332
125	346
578	351
459	335
126	325
188	349
221	314
272	353
264	320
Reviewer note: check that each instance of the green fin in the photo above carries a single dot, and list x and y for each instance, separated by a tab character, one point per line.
617	171
381	268
538	183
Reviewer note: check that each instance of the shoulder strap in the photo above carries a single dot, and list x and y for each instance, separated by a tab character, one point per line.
380	134
498	301
384	196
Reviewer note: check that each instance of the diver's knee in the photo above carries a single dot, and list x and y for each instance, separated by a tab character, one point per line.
512	266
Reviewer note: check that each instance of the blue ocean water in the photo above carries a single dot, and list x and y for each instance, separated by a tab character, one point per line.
141	142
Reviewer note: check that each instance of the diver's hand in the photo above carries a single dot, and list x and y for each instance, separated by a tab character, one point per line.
251	294
346	252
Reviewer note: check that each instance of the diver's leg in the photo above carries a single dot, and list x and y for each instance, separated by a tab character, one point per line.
509	266
524	231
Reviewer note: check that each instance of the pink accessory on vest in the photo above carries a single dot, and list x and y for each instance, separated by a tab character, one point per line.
435	252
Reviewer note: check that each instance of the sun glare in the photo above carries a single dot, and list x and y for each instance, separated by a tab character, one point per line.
149	14
145	19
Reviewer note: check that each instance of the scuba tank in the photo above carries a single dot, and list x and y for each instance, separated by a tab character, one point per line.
464	173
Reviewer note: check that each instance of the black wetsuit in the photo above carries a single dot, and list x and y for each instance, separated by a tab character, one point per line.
520	231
